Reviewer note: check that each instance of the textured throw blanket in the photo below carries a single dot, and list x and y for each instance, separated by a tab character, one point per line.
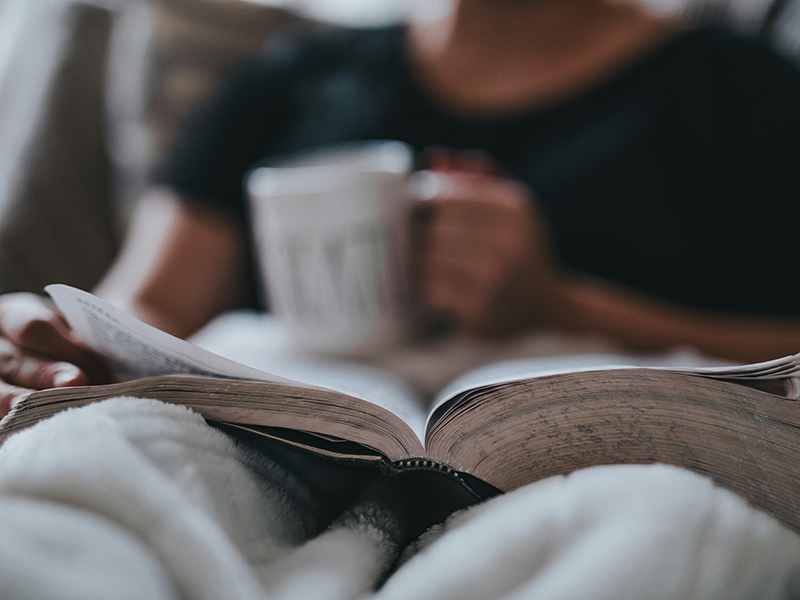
138	499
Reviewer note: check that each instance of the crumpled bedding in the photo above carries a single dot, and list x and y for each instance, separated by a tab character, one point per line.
139	499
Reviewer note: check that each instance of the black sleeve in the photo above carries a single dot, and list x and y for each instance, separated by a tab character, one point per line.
239	126
747	129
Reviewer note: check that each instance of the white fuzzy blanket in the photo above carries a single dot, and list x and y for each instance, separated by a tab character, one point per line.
138	499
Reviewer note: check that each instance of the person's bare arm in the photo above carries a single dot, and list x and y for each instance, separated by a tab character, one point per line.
647	324
181	265
485	260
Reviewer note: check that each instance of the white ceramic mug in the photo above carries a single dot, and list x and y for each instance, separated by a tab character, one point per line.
331	231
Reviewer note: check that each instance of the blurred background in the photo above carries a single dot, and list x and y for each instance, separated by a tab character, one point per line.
92	93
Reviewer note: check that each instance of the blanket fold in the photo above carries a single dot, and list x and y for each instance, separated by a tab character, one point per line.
134	498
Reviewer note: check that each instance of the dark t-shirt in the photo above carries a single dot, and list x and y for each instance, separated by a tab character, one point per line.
679	177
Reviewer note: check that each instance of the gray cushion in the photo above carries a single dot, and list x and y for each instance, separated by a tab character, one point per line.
167	57
57	222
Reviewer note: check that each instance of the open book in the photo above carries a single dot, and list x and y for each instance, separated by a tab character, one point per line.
505	425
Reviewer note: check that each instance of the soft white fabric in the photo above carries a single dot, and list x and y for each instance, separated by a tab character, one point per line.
158	474
50	550
138	499
616	532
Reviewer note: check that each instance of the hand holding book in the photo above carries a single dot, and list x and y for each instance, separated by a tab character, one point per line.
39	351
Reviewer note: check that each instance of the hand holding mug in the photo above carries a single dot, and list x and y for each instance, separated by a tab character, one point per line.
483	255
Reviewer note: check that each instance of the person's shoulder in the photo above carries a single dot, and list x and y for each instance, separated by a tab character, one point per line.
722	56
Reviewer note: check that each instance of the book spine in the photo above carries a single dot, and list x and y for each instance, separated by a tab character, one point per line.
426	463
477	487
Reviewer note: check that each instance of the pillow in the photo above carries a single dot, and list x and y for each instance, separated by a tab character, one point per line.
57	222
168	57
60	218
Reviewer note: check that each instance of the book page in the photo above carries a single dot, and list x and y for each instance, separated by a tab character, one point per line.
138	350
682	362
261	341
359	381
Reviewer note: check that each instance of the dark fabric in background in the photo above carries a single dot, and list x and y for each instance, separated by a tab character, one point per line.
677	177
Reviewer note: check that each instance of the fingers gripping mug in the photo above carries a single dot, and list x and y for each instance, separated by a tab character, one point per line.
331	230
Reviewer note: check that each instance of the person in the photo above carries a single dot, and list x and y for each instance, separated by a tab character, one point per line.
605	170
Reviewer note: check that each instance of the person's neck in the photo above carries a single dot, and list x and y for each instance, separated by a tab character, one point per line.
487	27
497	54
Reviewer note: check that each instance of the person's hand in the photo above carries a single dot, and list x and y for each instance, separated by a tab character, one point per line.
482	253
38	351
